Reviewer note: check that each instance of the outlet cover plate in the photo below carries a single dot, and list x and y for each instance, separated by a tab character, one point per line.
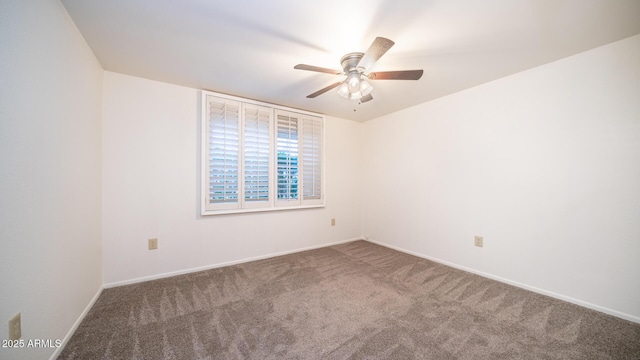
479	241
15	328
153	244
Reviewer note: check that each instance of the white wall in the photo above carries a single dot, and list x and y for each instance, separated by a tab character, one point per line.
545	164
151	189
50	111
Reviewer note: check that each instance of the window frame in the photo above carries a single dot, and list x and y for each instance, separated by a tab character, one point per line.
241	205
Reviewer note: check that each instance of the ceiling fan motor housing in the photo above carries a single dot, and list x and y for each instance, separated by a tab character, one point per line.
350	62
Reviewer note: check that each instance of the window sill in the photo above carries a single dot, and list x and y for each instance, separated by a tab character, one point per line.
243	211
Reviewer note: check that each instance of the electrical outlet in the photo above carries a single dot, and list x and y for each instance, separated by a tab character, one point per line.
333	222
479	241
153	244
15	328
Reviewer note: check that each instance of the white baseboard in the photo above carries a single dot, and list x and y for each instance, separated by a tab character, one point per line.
214	266
75	325
579	302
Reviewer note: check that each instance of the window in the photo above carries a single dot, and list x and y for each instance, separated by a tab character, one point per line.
257	150
287	166
259	157
223	128
312	159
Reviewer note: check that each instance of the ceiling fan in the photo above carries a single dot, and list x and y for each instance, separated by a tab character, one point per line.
354	66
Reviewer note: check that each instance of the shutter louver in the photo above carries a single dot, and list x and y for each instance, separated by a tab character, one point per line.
224	141
312	158
256	154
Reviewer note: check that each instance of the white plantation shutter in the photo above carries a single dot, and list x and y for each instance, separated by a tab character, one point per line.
259	157
312	159
287	150
257	154
223	153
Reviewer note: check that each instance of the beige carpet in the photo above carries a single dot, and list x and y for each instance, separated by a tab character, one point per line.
350	301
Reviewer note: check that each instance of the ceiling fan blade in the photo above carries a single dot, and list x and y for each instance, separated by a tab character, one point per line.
396	75
317	69
378	48
364	99
324	90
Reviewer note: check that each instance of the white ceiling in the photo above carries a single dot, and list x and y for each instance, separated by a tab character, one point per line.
248	48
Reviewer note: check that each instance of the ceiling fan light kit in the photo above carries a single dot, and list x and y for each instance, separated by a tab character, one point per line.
355	87
354	65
